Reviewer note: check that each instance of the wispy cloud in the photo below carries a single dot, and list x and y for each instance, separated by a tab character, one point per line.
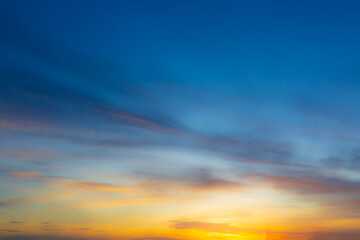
219	227
99	186
41	198
15	222
309	183
194	180
346	235
9	230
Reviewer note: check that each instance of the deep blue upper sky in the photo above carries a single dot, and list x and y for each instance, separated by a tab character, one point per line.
267	82
215	67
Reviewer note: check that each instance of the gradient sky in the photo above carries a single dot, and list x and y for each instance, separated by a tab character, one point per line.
179	120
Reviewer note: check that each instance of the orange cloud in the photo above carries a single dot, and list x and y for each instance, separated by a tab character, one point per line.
27	174
136	201
140	121
98	186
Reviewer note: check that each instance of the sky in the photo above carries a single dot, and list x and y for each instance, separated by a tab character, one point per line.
179	120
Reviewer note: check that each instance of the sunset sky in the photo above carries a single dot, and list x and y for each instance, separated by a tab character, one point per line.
179	120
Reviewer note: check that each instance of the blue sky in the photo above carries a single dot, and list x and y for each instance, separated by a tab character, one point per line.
201	95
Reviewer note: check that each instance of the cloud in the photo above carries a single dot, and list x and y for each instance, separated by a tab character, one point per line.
347	158
195	180
95	186
152	200
145	122
336	236
28	175
47	101
15	222
252	150
15	201
52	229
50	109
31	154
149	188
153	188
217	227
309	183
39	106
137	194
209	227
31	175
9	230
